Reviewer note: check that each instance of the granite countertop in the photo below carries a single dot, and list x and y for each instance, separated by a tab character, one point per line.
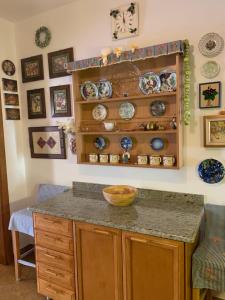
170	215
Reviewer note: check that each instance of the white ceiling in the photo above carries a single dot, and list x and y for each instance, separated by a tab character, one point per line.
19	10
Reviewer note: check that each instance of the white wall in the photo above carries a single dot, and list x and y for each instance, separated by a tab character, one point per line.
85	25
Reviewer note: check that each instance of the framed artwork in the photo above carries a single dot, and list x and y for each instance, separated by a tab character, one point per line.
210	94
214	131
11	99
32	68
60	101
12	114
124	20
57	62
36	104
47	142
9	85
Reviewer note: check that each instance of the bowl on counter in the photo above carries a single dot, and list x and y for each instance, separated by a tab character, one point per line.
120	195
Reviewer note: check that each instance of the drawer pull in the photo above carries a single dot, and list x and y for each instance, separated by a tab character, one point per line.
102	232
50	272
55	291
51	256
138	240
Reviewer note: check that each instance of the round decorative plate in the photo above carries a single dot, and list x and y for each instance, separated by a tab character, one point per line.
210	69
104	89
99	112
126	111
211	171
158	108
126	143
43	37
149	83
89	91
211	44
168	80
157	144
8	67
100	143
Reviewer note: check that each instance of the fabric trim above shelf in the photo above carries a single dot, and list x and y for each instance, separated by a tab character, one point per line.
139	54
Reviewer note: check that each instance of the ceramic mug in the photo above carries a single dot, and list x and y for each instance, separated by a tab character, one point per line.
155	160
142	159
169	160
93	158
109	126
104	158
114	158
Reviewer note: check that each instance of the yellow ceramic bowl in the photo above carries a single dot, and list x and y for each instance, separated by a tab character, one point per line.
120	195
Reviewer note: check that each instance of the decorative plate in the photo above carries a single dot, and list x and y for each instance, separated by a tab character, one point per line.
126	143
158	108
8	67
100	143
43	37
211	171
105	89
149	83
211	44
210	69
157	144
99	112
168	80
126	111
89	90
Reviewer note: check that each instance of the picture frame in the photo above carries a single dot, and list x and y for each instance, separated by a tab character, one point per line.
57	62
210	95
11	99
60	101
214	131
36	104
32	68
47	142
12	114
9	85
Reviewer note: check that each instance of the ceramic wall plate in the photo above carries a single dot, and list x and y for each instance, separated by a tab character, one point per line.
149	83
126	143
8	67
157	143
168	80
104	89
89	91
99	112
210	69
211	171
211	44
126	111
100	143
157	108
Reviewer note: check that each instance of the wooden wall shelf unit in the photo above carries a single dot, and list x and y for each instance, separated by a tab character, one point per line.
124	77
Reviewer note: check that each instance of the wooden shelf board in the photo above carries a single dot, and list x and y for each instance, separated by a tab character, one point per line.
134	120
130	165
128	132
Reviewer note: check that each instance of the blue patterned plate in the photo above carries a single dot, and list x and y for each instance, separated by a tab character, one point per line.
149	83
100	143
157	144
104	89
211	171
126	143
89	91
168	80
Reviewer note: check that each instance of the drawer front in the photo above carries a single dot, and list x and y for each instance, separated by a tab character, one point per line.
53	224
55	259
53	291
55	242
53	275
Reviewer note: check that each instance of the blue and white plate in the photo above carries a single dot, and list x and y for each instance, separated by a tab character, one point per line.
104	89
211	171
157	144
100	143
168	80
89	90
126	143
149	83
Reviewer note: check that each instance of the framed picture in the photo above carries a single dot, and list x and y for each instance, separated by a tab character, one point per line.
9	85
210	94
57	62
60	101
12	114
214	131
36	104
47	142
11	99
32	68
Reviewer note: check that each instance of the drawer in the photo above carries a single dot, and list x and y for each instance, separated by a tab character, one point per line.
54	241
55	259
53	275
53	291
53	224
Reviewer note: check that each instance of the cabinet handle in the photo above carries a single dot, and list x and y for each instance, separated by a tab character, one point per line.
51	256
50	272
102	231
138	240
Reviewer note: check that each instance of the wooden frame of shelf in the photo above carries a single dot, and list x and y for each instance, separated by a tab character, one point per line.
88	129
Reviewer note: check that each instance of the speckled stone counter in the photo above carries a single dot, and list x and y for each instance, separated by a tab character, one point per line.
175	216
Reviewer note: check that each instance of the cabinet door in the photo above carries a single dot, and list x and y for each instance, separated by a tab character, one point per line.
99	262
153	268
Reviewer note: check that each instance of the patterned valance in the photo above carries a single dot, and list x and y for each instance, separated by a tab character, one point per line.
139	54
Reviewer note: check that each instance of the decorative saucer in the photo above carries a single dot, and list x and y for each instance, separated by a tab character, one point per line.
211	171
157	144
158	108
126	143
126	111
8	67
104	89
89	91
210	69
149	83
100	143
168	80
99	112
211	44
